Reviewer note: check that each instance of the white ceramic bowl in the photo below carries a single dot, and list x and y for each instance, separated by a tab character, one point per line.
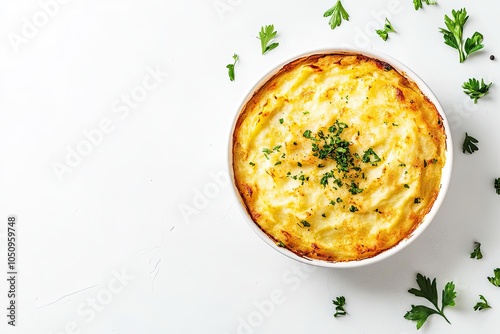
445	178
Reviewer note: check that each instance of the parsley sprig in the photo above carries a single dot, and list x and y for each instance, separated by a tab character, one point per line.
469	144
428	290
266	35
230	67
476	253
384	33
497	185
339	303
495	279
476	89
453	36
336	14
418	3
482	304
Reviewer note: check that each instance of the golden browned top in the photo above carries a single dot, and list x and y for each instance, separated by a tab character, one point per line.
338	157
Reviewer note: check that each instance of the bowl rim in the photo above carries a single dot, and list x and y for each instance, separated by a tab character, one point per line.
445	175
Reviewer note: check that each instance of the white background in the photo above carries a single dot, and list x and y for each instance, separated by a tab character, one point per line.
141	232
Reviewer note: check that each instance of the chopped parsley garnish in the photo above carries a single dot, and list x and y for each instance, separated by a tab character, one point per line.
277	163
406	186
251	163
299	164
305	223
338	182
281	244
417	200
328	144
354	189
281	120
326	176
368	154
301	177
267	151
332	146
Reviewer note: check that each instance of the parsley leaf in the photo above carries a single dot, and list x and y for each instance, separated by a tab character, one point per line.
454	35
337	13
266	35
230	67
495	280
428	290
339	306
481	305
418	3
469	144
497	185
419	313
384	34
475	89
476	254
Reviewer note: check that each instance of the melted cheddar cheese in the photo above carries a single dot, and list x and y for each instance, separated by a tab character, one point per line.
338	157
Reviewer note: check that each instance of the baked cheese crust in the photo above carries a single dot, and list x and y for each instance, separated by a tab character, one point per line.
338	157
